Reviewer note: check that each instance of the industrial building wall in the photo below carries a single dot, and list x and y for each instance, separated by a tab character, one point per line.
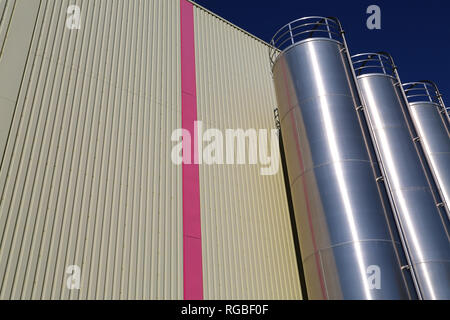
247	239
86	176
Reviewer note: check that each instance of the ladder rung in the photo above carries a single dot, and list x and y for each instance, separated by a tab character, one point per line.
406	267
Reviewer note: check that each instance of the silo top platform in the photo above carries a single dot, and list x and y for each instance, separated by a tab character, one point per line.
303	29
422	91
373	63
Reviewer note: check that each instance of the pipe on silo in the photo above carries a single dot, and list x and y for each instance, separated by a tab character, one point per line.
347	236
430	119
423	225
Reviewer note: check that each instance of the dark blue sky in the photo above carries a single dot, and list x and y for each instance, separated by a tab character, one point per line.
416	33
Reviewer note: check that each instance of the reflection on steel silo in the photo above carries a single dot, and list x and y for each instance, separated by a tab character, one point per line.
431	122
346	235
422	224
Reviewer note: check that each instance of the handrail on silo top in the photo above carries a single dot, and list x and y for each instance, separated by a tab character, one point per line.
302	29
380	62
422	91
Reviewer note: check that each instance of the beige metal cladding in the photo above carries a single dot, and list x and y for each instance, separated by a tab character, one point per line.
12	61
6	10
86	177
248	250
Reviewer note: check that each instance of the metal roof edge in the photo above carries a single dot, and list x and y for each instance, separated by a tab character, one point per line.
229	23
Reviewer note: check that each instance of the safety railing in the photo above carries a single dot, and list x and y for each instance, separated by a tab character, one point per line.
302	29
426	90
422	91
380	62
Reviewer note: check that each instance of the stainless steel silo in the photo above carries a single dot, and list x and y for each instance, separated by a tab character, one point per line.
347	237
430	119
423	225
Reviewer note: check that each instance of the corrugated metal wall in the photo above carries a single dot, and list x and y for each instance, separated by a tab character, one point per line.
248	248
86	177
6	10
15	37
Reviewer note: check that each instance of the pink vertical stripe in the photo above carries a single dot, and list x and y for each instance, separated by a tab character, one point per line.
192	243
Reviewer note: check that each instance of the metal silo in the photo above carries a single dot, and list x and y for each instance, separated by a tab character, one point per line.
430	119
348	242
416	203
